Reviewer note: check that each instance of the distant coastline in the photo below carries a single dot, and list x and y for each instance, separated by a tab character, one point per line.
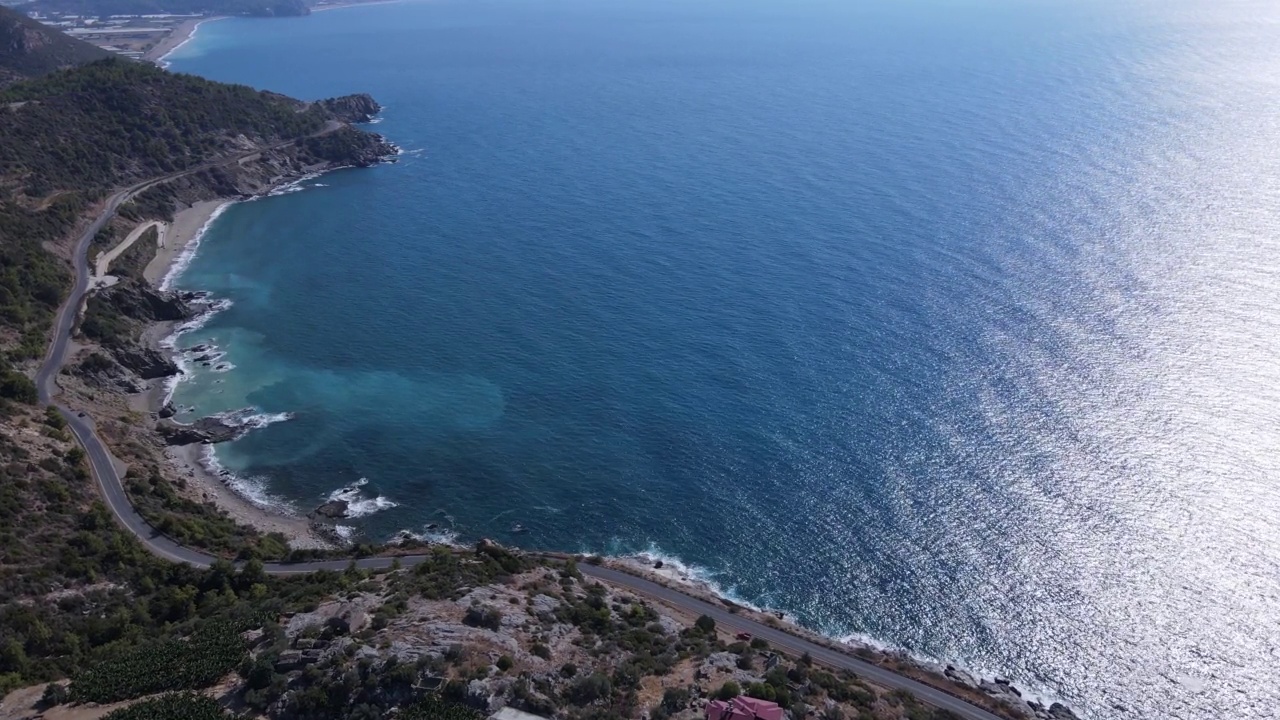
180	36
186	32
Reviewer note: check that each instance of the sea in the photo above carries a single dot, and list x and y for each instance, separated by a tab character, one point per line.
949	326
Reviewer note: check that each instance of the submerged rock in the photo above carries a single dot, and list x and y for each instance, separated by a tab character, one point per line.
333	509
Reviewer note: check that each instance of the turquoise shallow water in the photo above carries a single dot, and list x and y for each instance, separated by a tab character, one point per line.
949	325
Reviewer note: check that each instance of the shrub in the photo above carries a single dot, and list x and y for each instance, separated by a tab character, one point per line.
505	662
541	651
591	688
568	670
54	694
675	699
728	691
706	624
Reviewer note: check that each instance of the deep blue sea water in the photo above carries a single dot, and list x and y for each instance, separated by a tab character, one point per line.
949	324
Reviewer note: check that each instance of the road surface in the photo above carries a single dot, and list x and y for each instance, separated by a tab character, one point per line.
113	494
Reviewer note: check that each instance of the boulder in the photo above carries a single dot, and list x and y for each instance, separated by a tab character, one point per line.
333	509
289	660
168	410
1058	711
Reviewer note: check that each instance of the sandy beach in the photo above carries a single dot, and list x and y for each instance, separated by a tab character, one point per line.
175	39
186	228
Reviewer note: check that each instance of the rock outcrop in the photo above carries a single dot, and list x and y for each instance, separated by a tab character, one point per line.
334	509
359	108
206	430
144	362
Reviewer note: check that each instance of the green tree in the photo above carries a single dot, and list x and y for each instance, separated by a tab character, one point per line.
728	691
706	624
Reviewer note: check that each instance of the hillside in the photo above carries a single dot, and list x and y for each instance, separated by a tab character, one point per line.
257	8
29	49
68	137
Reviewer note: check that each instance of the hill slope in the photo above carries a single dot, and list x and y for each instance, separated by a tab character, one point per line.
261	8
29	49
68	137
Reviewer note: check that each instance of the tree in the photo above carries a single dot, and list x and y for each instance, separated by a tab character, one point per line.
706	624
728	691
505	663
675	699
591	688
54	694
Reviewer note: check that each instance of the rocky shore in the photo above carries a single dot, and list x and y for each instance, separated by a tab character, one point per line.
121	362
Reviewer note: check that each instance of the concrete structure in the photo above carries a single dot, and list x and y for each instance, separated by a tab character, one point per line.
508	713
743	708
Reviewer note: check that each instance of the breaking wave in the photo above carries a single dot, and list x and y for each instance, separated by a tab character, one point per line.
358	505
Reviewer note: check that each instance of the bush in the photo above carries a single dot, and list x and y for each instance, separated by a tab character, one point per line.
568	670
54	694
505	663
759	643
591	688
706	624
16	386
541	651
728	691
675	699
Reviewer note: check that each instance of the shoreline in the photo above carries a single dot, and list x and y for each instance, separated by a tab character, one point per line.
186	32
179	36
181	242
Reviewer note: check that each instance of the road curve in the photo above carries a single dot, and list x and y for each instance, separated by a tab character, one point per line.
112	490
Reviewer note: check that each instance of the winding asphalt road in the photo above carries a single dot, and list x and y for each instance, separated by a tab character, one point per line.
112	490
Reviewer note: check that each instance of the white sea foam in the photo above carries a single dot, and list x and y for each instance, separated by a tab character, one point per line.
252	489
677	570
163	60
184	258
346	532
358	505
294	186
435	536
251	418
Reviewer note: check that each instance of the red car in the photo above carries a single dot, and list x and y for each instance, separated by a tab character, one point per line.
744	636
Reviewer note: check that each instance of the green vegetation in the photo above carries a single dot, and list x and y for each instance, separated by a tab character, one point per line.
79	597
33	282
170	664
728	691
195	524
114	122
28	48
15	386
103	8
174	706
434	708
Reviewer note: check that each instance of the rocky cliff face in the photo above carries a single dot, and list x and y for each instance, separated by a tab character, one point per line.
359	108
